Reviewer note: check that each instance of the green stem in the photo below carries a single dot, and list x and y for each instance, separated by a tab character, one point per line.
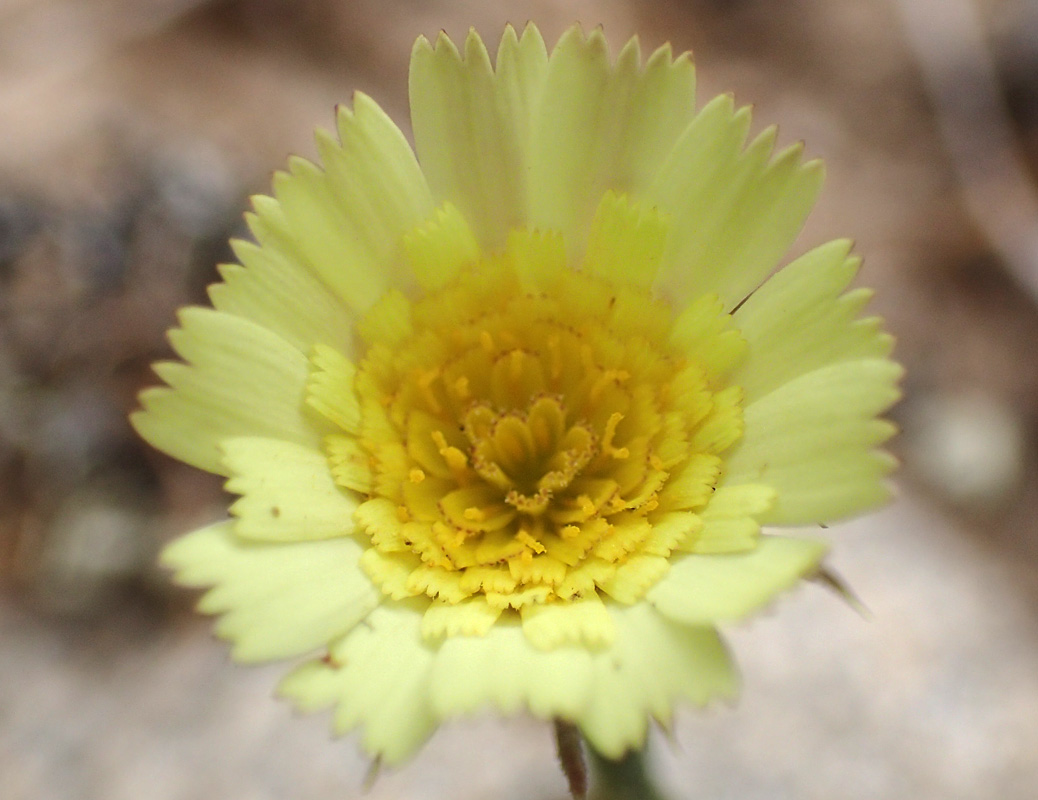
624	779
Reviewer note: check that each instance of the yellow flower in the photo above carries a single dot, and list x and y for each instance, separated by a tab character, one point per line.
506	418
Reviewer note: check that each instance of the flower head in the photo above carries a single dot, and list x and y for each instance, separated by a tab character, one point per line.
506	418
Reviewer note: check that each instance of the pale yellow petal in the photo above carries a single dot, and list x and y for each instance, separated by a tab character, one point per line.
503	672
708	589
602	126
278	292
584	621
654	664
439	248
330	390
349	463
800	320
729	521
241	380
287	492
707	336
813	441
348	220
275	600
626	242
734	213
472	617
391	571
634	577
693	483
471	125
378	678
538	257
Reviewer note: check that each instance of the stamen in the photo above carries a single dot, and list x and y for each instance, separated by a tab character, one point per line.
455	459
607	437
525	537
461	388
425	380
609	376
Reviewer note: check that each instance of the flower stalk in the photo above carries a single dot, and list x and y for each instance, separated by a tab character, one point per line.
625	778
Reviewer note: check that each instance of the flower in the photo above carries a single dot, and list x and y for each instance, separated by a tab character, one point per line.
506	418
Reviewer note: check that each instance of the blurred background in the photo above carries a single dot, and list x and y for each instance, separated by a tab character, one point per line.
132	133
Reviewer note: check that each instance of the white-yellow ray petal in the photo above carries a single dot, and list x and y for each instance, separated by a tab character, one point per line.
378	676
693	484
735	214
349	462
729	521
472	617
706	335
471	125
584	621
661	105
723	425
687	186
389	321
602	127
391	571
329	389
799	320
349	219
626	242
766	221
749	225
241	380
653	664
501	670
675	530
440	247
275	600
538	257
707	589
281	294
287	492
813	441
634	577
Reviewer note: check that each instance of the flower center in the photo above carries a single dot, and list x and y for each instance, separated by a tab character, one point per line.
523	436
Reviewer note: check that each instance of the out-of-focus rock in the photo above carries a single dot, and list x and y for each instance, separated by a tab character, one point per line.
970	447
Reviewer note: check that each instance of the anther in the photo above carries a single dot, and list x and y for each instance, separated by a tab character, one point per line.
425	381
609	434
452	455
474	514
461	388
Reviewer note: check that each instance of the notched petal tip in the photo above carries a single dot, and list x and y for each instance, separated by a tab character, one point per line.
444	43
476	50
630	56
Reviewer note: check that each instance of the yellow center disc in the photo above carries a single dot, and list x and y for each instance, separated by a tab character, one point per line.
523	439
